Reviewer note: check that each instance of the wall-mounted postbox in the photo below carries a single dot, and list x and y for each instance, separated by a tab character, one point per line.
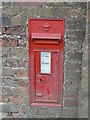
46	51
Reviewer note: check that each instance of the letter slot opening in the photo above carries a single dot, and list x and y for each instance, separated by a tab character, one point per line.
46	38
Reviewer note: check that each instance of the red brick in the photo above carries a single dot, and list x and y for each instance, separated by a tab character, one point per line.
22	83
5	99
18	91
20	73
16	99
14	30
88	16
10	42
0	42
22	91
1	99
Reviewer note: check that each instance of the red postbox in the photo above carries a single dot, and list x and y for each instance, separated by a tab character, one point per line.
46	53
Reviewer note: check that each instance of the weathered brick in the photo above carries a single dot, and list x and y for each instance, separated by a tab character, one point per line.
6	108
0	81
11	10
16	30
24	91
5	115
22	43
89	5
14	108
20	73
68	13
7	72
0	42
33	110
10	42
24	109
22	63
77	5
88	16
75	35
5	99
75	25
14	62
10	81
23	83
18	20
89	28
14	52
29	4
9	62
6	21
1	99
77	14
17	100
45	12
7	52
8	90
20	52
60	12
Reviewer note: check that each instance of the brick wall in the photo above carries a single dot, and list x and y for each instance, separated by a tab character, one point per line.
15	91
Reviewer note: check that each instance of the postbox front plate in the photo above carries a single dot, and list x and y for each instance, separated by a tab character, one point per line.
46	48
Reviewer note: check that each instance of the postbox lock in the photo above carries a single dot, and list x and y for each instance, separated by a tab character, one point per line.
40	80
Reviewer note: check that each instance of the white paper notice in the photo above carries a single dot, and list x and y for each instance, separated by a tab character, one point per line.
46	62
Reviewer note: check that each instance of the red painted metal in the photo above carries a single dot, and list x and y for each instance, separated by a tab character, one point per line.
46	38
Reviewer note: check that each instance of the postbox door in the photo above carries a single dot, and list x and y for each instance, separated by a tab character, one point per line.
46	80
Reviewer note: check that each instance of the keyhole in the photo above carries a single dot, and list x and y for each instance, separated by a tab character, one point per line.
40	79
